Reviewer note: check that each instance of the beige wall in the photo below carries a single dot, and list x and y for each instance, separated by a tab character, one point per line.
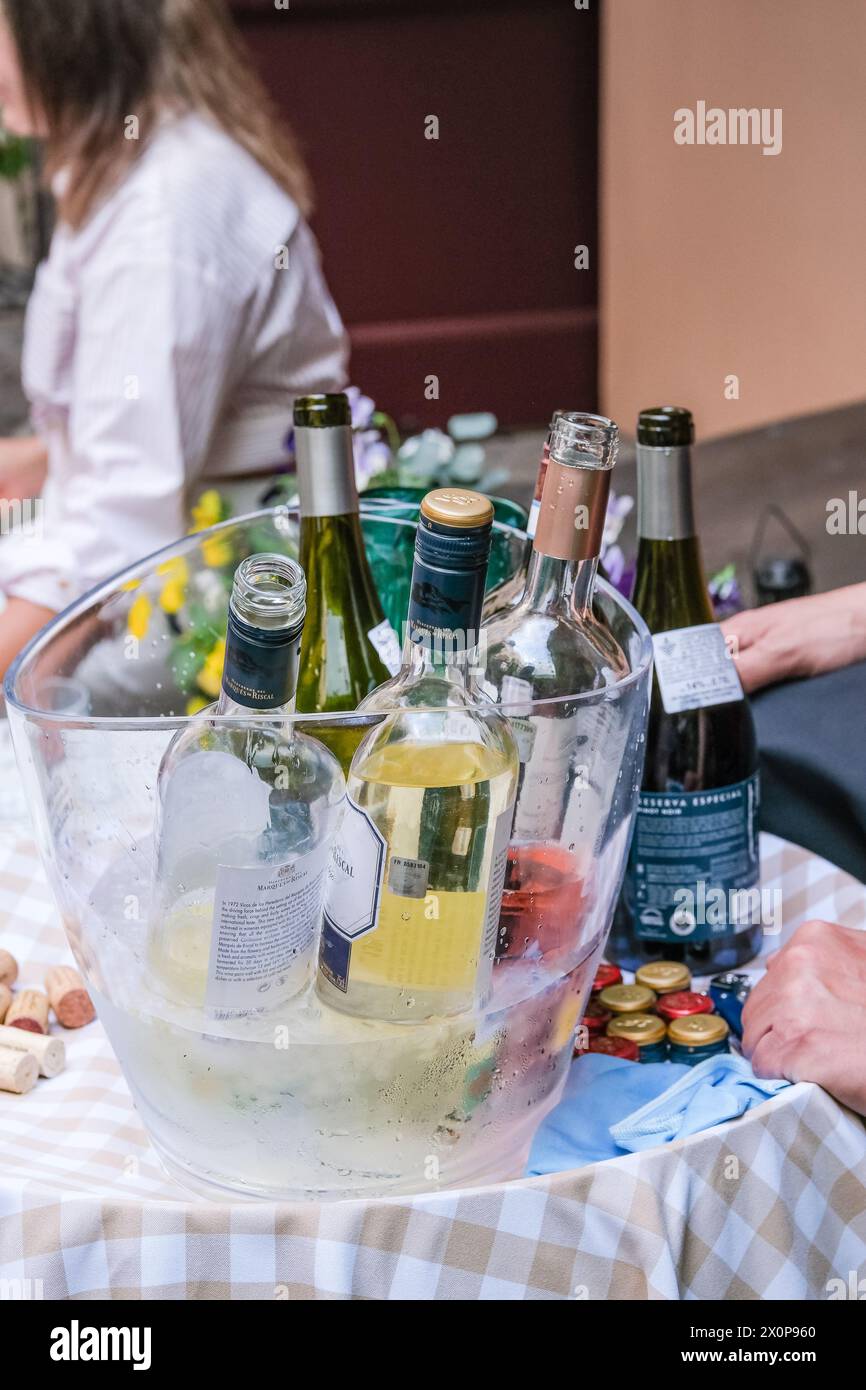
719	259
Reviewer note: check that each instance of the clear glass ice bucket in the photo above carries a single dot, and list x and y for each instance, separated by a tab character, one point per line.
314	1104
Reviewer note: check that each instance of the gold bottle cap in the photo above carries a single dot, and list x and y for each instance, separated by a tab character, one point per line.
627	999
664	976
697	1030
457	506
638	1028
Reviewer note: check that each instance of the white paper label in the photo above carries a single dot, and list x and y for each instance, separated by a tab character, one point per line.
265	922
387	645
695	668
356	873
408	878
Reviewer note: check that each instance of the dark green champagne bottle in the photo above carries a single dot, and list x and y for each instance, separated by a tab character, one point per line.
349	648
691	889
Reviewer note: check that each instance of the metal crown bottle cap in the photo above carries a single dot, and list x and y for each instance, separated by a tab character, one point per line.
323	411
666	427
698	1030
639	1028
627	999
664	976
457	507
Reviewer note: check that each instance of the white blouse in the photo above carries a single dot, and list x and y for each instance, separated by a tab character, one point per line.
165	343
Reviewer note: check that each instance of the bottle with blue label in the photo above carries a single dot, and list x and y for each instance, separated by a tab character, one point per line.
691	891
415	884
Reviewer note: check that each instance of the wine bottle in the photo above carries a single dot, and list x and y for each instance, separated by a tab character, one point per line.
246	814
510	590
412	907
690	892
548	646
349	648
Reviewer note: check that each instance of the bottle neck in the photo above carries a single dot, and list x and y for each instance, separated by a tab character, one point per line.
670	589
567	545
326	471
260	672
443	626
560	586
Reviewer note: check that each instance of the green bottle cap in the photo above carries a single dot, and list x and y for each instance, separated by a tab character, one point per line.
323	412
666	427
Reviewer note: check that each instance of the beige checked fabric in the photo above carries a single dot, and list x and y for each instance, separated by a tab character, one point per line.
769	1206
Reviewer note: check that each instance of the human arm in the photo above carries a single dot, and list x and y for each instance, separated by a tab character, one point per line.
800	637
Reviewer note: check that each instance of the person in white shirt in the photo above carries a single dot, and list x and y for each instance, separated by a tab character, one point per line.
182	306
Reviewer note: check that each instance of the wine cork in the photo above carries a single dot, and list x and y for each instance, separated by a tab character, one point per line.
18	1071
29	1010
8	969
5	1001
50	1053
69	998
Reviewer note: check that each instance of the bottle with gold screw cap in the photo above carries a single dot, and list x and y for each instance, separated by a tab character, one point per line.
627	999
695	1038
646	1030
664	976
412	910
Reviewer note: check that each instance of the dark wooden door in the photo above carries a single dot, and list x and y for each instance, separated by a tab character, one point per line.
453	257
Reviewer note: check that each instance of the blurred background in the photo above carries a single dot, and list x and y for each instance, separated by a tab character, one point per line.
454	257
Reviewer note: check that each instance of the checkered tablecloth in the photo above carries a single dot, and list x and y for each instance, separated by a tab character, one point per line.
771	1206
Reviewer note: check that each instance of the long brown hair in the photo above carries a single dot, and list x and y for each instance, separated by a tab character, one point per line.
90	65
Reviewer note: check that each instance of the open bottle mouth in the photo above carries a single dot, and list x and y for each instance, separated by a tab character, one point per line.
270	591
583	440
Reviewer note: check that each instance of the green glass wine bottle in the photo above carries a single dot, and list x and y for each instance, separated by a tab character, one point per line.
349	648
691	888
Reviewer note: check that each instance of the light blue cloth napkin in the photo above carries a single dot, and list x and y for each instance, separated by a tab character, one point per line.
719	1089
610	1107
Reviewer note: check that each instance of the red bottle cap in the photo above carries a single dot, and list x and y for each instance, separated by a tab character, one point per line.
682	1003
615	1047
596	1019
606	975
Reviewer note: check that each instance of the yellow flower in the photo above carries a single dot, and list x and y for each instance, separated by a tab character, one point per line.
207	511
209	678
139	617
172	598
217	551
130	586
175	570
195	705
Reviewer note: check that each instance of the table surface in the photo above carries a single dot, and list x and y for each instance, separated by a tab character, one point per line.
86	1208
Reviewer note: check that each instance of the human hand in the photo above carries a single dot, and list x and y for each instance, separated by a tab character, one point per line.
801	637
806	1019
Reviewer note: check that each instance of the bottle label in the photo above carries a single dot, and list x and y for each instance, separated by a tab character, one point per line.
695	668
446	604
694	864
261	675
354	892
264	923
387	645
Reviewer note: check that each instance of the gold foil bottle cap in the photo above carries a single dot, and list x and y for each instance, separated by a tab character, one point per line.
698	1030
642	1029
664	976
457	506
627	999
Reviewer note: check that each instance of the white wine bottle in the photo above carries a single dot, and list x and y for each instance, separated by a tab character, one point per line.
412	908
691	886
348	648
246	814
